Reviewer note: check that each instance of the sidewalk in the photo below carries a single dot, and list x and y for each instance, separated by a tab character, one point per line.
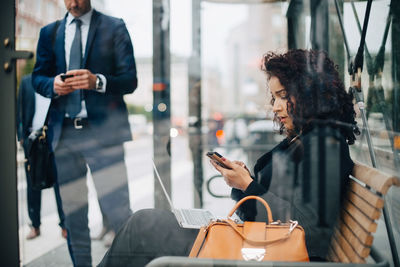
50	248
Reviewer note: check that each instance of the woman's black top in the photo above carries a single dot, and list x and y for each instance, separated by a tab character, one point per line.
304	180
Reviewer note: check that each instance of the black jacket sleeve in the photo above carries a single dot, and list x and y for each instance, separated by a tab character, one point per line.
259	186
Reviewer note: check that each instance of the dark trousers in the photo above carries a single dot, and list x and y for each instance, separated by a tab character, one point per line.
35	199
77	149
148	234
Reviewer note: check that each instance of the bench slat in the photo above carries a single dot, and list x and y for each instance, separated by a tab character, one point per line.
364	206
364	236
361	249
347	248
364	221
332	256
367	195
339	251
376	179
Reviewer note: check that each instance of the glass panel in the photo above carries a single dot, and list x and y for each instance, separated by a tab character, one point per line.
235	111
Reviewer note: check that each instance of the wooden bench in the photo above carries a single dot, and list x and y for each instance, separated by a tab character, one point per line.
353	238
363	206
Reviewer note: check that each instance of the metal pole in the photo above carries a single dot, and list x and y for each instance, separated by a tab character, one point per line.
319	25
195	117
370	67
360	103
336	48
296	25
161	100
346	44
395	8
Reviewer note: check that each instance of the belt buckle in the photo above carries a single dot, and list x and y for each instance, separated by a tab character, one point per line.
78	123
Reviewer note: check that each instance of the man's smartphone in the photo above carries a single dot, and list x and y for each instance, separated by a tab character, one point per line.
216	157
65	76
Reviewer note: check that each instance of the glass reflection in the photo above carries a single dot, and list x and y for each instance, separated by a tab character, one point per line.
233	40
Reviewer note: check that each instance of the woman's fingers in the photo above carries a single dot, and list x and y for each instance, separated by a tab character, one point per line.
228	163
217	167
241	164
236	177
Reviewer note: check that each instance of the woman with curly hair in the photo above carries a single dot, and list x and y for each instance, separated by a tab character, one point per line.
303	178
312	80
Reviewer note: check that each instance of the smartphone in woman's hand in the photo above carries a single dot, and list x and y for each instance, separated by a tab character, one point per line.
217	158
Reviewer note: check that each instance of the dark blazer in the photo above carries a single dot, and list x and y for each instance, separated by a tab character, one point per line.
109	52
25	107
304	180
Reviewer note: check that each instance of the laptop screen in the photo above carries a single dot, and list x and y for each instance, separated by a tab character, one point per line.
162	185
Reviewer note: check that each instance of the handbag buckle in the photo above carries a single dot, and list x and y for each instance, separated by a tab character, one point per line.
237	221
253	254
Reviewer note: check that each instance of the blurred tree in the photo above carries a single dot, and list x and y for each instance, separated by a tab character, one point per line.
134	109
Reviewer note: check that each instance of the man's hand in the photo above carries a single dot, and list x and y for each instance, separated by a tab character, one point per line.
82	79
60	87
237	177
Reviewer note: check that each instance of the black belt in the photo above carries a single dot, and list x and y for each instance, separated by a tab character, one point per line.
77	123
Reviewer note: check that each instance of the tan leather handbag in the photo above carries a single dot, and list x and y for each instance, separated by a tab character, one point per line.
258	241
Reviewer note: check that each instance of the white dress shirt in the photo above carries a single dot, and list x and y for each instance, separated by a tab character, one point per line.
41	108
70	29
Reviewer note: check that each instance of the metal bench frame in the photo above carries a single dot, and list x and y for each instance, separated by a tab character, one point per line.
169	261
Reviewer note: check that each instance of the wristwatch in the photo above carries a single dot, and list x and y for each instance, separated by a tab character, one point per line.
99	83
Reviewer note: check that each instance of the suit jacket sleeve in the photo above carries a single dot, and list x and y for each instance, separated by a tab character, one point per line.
45	67
123	80
25	108
19	113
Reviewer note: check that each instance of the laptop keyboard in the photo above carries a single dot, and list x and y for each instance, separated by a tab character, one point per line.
197	217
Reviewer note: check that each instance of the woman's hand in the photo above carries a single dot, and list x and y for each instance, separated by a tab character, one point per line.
237	177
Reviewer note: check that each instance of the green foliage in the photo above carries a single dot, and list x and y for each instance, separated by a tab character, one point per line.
134	109
28	68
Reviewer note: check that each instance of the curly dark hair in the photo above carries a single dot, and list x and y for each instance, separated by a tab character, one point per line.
312	79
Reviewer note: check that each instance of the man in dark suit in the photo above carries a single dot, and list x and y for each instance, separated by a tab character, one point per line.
26	109
88	120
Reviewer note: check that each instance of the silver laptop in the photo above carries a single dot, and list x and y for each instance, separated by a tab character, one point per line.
187	218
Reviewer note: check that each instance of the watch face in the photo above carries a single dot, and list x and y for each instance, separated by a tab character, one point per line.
99	83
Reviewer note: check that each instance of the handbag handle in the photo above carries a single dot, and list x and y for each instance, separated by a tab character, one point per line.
270	220
258	242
